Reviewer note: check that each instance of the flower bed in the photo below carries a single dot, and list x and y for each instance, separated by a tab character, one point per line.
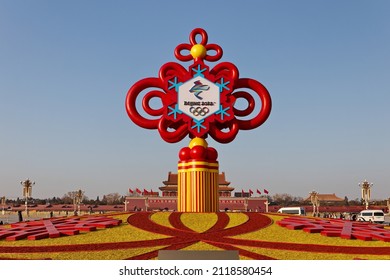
54	228
141	235
338	228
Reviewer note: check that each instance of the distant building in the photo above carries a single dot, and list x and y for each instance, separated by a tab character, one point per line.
168	200
327	198
170	186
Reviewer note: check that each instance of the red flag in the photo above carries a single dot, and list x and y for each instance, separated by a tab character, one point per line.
138	190
250	192
265	191
242	192
146	192
259	192
131	191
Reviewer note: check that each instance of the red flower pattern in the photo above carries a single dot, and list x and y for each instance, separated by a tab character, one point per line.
180	236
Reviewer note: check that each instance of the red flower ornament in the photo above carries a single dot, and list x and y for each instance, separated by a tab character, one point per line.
198	102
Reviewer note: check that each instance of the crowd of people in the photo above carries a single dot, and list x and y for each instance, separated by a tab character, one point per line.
342	216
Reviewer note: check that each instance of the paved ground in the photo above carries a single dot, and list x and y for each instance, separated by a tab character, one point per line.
13	218
387	219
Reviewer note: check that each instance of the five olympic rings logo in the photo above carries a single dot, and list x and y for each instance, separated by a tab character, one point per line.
199	111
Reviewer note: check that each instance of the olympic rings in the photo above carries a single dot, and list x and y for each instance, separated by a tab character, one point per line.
199	111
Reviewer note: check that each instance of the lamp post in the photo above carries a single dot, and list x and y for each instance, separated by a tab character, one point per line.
316	203
126	203
246	204
266	206
77	199
74	203
27	191
3	205
366	192
146	203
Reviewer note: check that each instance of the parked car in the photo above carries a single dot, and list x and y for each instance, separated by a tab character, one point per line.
372	216
293	210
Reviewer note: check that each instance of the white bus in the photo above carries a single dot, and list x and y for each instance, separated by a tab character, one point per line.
293	210
372	216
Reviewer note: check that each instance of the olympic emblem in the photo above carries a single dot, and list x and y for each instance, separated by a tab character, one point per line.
198	88
198	101
199	111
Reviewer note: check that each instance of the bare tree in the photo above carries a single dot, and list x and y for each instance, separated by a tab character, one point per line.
67	198
112	198
285	199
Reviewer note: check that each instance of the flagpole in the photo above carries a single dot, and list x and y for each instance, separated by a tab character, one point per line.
266	202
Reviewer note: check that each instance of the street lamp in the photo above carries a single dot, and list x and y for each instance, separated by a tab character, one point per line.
3	205
266	205
146	203
126	202
27	191
77	199
366	191
316	203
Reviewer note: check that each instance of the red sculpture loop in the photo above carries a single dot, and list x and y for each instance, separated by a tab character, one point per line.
198	102
188	47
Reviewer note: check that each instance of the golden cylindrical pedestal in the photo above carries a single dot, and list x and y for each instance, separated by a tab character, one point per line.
198	172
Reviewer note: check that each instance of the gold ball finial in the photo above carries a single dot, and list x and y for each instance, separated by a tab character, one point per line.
198	51
197	141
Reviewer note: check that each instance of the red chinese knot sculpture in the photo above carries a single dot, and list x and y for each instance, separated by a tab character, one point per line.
198	102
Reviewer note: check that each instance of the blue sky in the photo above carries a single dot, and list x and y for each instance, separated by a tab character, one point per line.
66	66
